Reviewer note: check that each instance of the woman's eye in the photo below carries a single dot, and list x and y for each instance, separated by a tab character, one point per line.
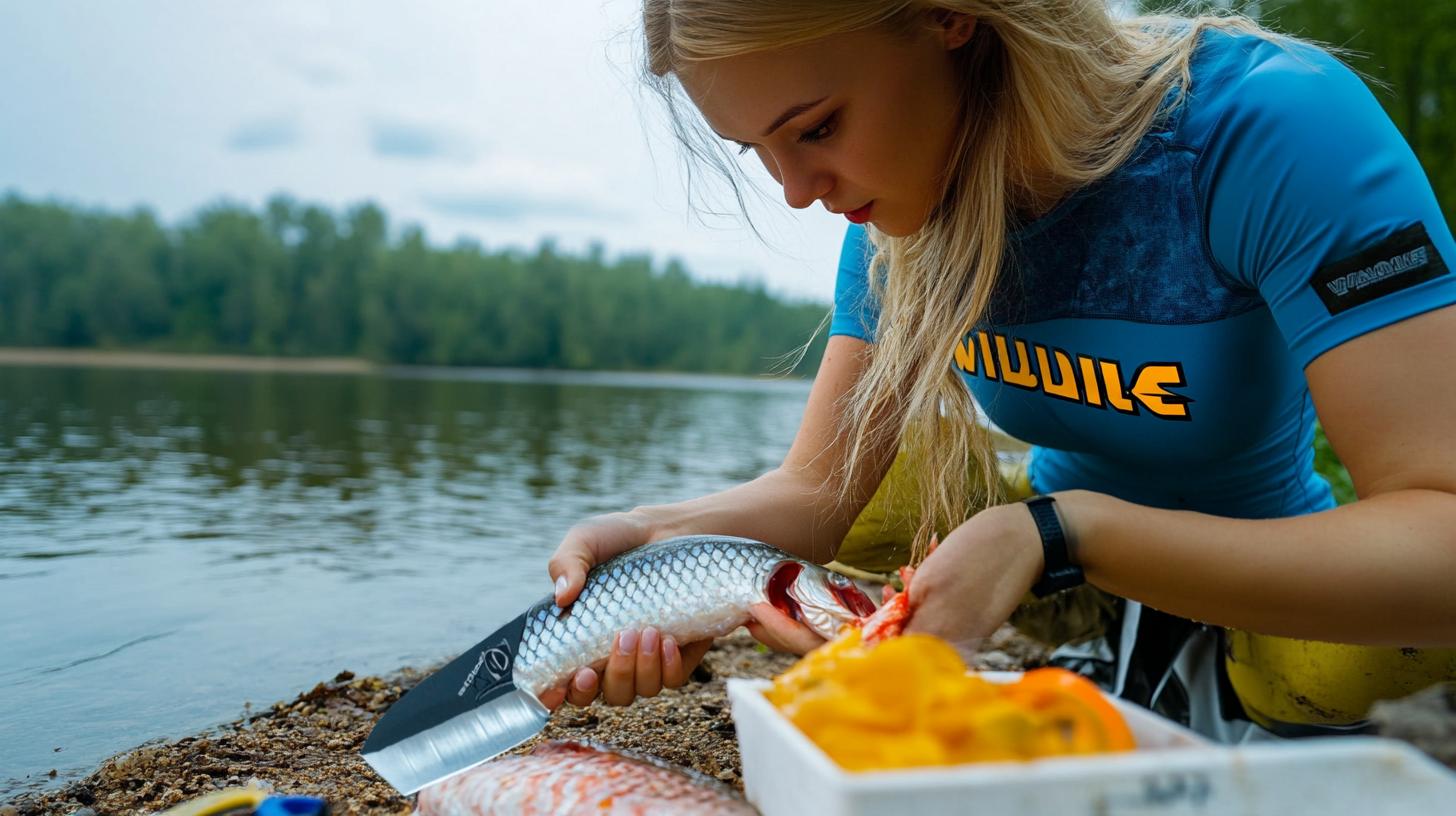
823	131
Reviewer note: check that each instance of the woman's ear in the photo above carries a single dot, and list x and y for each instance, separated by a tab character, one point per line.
954	27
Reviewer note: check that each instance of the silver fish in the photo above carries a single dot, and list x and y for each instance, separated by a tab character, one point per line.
692	588
487	700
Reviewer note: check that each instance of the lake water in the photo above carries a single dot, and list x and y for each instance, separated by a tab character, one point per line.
175	544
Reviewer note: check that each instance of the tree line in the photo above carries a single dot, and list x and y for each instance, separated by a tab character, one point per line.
296	280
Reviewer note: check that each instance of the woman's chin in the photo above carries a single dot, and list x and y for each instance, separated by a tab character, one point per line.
893	229
893	225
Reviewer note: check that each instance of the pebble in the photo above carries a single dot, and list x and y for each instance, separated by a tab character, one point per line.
81	793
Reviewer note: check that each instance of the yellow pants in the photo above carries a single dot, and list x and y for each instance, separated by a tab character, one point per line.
1280	681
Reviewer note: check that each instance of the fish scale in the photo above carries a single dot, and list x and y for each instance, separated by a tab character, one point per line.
692	588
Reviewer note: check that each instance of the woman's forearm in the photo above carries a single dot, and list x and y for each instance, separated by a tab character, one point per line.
1381	571
794	510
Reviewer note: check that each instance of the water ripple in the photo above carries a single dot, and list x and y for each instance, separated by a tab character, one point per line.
118	650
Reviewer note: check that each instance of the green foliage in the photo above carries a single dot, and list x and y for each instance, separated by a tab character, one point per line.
300	280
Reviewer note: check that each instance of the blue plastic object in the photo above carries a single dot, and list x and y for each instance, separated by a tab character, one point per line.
292	806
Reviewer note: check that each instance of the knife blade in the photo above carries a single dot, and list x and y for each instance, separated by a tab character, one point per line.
462	715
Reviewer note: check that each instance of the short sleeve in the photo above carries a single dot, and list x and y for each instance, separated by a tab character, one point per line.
855	312
1315	200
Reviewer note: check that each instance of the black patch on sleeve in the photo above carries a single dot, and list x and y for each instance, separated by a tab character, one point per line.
1399	262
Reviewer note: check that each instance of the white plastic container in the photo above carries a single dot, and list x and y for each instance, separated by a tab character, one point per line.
1173	772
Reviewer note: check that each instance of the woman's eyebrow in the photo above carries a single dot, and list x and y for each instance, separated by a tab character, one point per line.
779	122
790	114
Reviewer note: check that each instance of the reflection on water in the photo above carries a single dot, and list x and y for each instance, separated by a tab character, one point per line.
175	543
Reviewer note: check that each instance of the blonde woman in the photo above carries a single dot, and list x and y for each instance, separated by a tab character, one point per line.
1155	249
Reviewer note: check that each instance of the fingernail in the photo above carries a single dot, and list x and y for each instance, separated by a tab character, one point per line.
669	647
649	641
627	641
560	585
584	680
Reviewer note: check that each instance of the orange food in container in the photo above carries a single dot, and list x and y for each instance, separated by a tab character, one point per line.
910	701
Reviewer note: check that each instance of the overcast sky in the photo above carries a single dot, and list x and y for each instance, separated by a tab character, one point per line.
504	121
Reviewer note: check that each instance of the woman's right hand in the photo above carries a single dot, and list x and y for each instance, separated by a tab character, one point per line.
642	663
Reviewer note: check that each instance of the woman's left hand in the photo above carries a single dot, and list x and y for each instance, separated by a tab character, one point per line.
973	581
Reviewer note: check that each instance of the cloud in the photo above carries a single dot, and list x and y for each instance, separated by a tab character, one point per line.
271	133
406	140
318	73
516	207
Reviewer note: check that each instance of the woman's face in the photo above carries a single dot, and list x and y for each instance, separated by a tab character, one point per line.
862	122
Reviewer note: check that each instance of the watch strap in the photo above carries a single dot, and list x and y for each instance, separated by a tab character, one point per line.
1059	572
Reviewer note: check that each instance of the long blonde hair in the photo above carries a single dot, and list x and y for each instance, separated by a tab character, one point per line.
1056	95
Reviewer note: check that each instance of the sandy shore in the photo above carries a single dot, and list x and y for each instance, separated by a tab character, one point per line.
183	362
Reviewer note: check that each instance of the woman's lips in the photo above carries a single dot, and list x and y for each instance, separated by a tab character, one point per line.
860	215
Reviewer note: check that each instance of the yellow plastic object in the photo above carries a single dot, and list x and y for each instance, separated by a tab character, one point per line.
879	540
1283	681
227	801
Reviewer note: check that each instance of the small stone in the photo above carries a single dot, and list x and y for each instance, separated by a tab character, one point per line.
727	775
85	811
9	810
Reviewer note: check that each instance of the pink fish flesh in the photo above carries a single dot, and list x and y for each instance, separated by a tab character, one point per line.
561	778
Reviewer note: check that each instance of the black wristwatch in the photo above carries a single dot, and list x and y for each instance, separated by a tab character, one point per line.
1059	573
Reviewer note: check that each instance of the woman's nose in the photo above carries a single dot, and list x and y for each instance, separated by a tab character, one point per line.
803	183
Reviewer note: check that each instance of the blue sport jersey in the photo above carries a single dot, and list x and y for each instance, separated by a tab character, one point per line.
1148	336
